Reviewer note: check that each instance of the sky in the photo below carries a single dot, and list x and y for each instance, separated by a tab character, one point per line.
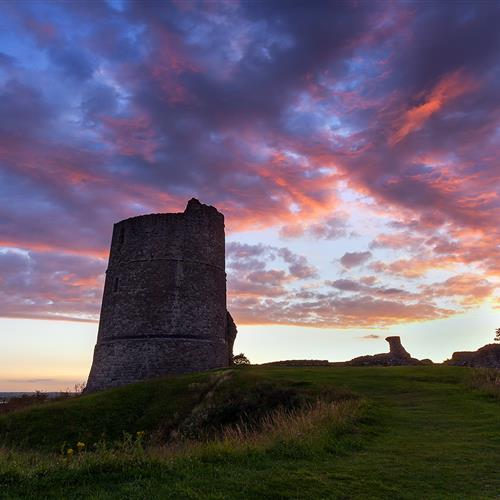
351	145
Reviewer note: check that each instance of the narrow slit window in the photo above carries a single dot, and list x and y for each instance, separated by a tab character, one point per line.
121	238
116	284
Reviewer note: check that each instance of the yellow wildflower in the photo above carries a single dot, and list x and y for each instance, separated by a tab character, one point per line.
140	434
80	446
69	452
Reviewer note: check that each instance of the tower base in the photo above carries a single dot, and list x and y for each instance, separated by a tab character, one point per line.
125	360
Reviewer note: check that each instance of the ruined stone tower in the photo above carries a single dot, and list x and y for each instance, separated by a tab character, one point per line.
164	304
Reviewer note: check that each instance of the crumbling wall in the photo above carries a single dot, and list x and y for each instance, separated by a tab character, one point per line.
231	332
396	356
487	356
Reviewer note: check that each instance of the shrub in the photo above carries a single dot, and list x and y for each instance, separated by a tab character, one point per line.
240	359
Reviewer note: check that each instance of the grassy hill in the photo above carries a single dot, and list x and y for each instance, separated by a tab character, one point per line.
263	432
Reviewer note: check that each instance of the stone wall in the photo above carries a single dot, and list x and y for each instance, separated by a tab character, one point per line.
164	302
487	356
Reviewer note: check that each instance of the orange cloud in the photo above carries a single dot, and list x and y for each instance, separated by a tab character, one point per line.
32	246
448	88
334	312
469	289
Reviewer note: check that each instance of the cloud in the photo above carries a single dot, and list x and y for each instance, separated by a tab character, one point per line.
469	289
50	286
249	273
330	228
332	311
298	265
346	285
449	87
320	120
6	61
366	286
353	259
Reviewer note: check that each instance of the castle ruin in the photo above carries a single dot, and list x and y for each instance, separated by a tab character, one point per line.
397	356
164	303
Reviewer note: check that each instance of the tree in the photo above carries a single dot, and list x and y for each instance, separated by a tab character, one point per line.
240	359
497	335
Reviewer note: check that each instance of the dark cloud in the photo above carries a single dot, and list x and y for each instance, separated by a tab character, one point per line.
6	61
366	286
353	259
278	114
98	101
449	38
298	265
73	63
22	109
346	285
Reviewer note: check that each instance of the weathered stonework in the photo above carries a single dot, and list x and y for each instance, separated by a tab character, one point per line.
397	356
396	349
231	332
164	303
487	356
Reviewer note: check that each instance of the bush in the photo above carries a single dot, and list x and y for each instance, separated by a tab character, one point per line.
240	359
24	401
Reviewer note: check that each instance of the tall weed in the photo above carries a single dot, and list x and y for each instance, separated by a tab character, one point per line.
486	380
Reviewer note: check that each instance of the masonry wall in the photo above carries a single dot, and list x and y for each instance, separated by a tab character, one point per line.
164	302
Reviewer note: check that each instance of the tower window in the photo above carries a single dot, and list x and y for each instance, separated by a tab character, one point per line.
115	284
121	236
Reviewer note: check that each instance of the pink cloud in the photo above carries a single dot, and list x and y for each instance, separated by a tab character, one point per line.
449	87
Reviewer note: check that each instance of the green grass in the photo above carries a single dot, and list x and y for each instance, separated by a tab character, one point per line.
414	432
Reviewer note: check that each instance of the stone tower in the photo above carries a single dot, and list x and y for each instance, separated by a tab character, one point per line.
164	303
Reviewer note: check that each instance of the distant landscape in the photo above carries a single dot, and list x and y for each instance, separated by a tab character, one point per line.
9	395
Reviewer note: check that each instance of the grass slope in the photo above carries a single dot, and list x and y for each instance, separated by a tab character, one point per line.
422	433
159	407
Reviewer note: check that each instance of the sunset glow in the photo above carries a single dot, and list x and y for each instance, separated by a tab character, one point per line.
352	147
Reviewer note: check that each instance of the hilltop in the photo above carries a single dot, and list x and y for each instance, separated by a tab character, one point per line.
265	432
